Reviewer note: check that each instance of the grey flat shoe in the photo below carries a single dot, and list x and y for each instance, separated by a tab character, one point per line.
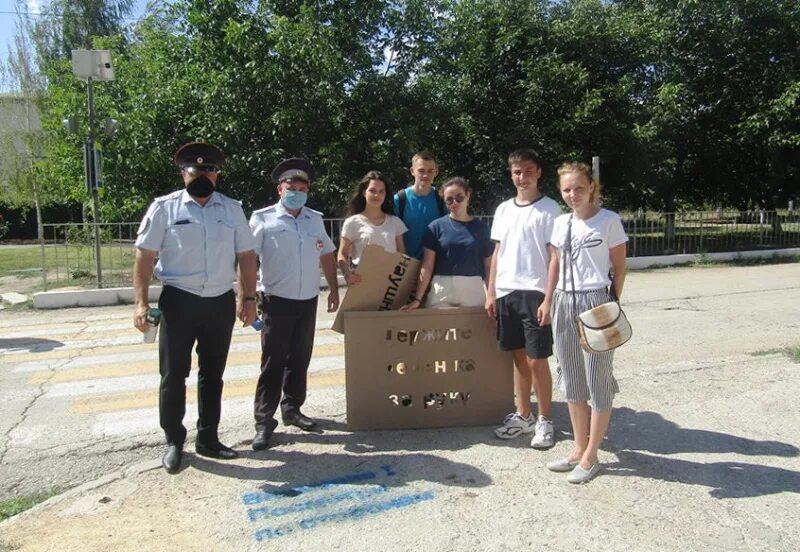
580	475
562	465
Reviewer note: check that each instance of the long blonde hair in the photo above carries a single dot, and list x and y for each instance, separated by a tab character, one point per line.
585	170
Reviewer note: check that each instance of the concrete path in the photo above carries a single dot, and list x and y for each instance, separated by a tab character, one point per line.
702	453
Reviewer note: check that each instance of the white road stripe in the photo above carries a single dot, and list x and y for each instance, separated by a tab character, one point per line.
125	384
137	421
144	420
77	328
148	352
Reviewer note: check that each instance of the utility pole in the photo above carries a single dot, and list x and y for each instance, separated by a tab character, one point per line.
596	168
91	65
92	182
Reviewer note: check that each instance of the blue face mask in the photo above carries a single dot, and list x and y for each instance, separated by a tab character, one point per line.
294	200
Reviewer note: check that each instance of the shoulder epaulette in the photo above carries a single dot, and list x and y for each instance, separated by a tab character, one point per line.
171	195
267	209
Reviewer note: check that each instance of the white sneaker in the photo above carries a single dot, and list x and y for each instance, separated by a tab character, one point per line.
515	425
545	435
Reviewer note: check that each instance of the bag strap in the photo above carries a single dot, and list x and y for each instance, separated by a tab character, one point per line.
568	252
401	203
440	203
611	291
402	200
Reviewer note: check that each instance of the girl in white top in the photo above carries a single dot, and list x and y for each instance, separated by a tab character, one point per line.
370	221
596	253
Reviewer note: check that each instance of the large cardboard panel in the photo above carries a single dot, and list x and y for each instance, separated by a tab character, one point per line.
388	279
425	368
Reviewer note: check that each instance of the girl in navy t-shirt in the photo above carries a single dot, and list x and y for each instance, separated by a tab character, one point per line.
456	255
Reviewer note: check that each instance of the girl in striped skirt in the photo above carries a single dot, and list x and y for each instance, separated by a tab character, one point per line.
588	248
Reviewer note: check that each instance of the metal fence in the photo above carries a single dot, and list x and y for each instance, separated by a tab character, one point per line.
69	254
68	250
710	232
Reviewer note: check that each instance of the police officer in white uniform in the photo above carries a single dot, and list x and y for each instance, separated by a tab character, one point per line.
291	244
198	236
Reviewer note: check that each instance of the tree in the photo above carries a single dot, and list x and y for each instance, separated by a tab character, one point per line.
719	73
265	83
64	25
69	24
22	140
687	103
560	78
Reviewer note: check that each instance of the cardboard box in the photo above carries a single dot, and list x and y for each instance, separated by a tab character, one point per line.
388	280
425	368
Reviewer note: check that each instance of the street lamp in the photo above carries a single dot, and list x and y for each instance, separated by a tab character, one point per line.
92	65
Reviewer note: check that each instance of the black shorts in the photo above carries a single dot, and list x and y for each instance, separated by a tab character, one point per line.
518	327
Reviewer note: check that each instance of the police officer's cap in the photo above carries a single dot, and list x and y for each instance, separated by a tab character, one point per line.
293	169
199	153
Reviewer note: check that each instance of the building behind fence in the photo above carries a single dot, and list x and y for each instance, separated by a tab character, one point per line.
68	251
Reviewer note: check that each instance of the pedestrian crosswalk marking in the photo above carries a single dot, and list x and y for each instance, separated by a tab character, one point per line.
128	341
150	366
149	398
97	373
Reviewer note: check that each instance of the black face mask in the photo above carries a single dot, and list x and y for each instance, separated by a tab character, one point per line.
200	187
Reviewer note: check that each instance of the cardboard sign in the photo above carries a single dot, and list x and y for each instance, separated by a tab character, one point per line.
387	281
425	368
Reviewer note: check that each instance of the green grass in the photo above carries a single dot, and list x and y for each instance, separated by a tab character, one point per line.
704	261
26	306
792	352
67	261
13	506
755	261
15	259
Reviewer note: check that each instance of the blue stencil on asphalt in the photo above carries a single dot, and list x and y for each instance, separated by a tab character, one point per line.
258	497
314	503
319	506
351	513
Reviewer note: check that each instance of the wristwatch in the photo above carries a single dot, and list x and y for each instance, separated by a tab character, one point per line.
249	298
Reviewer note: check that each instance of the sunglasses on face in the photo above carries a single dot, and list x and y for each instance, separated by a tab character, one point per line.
197	169
454	199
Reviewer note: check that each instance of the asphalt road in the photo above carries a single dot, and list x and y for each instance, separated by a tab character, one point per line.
702	452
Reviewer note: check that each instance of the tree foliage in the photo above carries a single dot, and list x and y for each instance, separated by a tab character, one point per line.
687	103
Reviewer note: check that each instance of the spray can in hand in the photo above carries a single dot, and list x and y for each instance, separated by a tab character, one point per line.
258	324
153	318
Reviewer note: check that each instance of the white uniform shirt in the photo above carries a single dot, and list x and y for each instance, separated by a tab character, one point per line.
591	240
523	232
361	233
289	249
196	245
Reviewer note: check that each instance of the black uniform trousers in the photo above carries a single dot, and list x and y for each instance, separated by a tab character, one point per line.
287	340
188	318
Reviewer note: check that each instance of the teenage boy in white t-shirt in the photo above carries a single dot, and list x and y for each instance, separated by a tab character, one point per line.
517	296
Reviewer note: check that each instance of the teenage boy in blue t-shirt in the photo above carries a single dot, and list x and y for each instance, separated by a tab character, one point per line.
419	205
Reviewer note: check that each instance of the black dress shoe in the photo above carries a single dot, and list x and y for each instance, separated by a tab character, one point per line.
215	450
172	458
261	440
300	420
